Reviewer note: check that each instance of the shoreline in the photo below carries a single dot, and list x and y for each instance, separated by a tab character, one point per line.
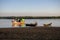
35	33
32	27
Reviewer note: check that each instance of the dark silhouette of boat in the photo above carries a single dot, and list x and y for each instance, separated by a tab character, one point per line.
35	24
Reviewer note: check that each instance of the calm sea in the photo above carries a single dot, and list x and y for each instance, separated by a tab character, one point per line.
7	22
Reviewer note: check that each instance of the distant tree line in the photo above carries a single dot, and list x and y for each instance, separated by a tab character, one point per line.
30	17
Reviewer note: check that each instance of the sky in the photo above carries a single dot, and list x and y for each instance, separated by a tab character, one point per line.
29	7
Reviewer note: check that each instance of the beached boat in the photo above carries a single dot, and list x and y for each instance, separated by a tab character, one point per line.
47	25
35	24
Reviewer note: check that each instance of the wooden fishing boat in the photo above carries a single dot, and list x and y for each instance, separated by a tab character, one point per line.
47	25
31	24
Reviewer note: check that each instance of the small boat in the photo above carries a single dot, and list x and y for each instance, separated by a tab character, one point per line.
47	25
31	24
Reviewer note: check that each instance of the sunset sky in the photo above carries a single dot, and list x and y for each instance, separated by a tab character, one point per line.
29	7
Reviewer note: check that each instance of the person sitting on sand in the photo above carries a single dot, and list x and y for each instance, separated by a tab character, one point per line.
13	20
22	22
19	20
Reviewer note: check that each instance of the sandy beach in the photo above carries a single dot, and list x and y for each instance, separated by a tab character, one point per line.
32	33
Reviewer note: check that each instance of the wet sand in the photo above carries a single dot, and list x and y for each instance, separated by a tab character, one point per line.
32	33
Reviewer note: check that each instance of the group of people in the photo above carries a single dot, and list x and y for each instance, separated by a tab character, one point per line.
19	22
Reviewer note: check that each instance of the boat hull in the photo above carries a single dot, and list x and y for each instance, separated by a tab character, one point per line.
30	24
